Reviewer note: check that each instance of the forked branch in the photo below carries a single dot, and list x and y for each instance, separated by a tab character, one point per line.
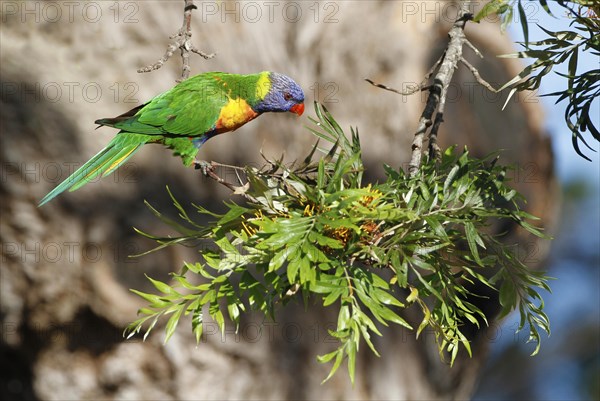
183	41
442	72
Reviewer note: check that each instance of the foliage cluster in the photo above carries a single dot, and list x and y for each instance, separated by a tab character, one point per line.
370	251
582	88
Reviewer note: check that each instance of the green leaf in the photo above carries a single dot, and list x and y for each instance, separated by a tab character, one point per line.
280	258
233	214
333	296
473	239
386	298
492	7
351	350
162	287
506	19
155	300
573	66
292	270
234	312
323	287
327	357
400	268
338	361
173	321
197	323
508	296
217	315
424	322
544	4
524	23
343	318
307	273
323	240
413	296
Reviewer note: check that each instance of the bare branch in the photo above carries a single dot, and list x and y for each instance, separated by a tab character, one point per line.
434	67
436	101
170	50
435	152
437	93
184	43
206	56
478	77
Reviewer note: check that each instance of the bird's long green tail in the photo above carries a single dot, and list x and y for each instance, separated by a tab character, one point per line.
118	151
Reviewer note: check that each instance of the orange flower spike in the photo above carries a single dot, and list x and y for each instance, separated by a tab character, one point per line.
375	194
249	230
309	210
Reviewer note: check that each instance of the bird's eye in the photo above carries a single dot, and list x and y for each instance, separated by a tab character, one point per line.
287	96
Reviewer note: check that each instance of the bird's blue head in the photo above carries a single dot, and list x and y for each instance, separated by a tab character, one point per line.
283	95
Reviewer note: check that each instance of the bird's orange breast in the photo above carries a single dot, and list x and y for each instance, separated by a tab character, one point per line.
234	114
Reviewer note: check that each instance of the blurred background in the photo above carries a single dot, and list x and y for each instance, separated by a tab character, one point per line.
65	270
568	366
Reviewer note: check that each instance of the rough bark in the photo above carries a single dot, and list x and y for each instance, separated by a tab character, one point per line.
65	273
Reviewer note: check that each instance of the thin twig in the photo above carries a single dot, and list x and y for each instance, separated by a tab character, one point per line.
237	190
183	42
217	164
472	46
478	77
414	89
424	85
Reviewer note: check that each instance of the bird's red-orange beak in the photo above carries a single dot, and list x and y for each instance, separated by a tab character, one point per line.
297	108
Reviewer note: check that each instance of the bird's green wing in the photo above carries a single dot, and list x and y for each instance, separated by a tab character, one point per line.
189	109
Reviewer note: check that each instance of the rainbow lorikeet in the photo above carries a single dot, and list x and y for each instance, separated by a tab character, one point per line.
186	116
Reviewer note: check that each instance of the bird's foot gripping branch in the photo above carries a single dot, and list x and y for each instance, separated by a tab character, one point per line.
371	251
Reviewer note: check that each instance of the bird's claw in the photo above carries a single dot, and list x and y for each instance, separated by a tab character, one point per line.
203	166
